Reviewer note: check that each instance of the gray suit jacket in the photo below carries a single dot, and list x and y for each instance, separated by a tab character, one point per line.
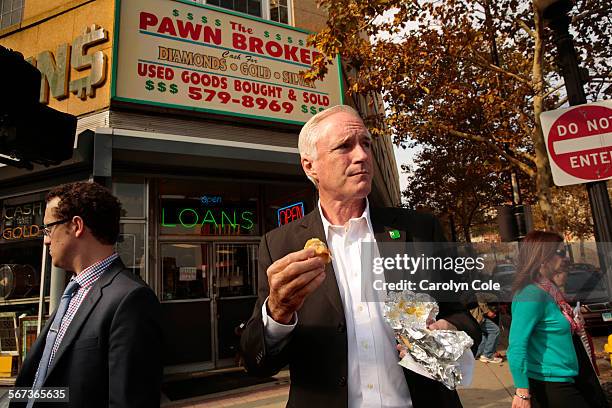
111	353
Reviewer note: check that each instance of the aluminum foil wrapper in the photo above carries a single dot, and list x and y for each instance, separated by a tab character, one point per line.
436	351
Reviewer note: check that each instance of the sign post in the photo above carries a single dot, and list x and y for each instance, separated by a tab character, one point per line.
579	143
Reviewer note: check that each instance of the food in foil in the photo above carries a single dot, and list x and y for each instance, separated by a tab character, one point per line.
436	352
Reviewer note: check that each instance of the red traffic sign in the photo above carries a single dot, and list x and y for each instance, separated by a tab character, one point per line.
579	143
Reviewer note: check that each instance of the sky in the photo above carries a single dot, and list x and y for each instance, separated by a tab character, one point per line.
403	156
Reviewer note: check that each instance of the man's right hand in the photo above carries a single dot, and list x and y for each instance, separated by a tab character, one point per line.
291	279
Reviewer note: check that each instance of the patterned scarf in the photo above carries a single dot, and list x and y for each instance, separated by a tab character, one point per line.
549	287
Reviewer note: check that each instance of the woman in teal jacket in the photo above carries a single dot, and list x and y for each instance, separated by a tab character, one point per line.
541	352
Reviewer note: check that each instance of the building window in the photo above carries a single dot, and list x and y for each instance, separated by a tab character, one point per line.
11	12
275	10
132	243
21	246
279	11
252	7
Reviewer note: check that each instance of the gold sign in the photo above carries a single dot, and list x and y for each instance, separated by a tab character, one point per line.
55	70
22	221
197	57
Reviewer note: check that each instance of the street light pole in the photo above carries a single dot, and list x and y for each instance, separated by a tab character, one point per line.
555	14
518	209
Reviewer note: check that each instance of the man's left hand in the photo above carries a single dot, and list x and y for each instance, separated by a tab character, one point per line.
442	325
437	325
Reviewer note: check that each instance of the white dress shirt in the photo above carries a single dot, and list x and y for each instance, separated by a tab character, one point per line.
375	380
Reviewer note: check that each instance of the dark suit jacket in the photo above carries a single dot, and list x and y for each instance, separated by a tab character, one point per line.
316	350
110	355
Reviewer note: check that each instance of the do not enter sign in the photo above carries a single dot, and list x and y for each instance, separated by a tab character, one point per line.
579	143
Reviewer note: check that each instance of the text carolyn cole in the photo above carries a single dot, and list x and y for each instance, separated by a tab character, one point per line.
411	263
425	285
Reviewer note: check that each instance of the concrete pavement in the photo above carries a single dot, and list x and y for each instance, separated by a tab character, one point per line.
492	387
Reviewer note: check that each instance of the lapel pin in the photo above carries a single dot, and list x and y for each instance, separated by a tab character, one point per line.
395	234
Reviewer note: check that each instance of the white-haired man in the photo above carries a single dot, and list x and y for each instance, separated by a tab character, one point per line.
311	316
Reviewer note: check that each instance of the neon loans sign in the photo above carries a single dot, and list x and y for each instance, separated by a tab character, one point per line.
195	217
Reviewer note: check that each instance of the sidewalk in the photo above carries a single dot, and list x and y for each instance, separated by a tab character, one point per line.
492	387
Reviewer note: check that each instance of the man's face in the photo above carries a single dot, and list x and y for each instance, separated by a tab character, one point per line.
343	167
61	238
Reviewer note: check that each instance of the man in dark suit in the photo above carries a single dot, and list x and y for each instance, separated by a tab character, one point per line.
103	342
311	316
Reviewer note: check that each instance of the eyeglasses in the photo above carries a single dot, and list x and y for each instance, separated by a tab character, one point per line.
561	252
46	228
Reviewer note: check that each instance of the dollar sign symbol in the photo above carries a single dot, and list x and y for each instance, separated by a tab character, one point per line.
149	85
173	89
278	37
218	23
266	34
175	13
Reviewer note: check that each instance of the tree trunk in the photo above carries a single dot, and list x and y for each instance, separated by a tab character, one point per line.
466	233
543	175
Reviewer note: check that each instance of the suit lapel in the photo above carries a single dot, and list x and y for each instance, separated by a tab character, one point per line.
389	243
30	364
88	304
312	227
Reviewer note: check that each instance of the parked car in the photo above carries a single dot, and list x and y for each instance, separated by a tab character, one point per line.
504	274
589	287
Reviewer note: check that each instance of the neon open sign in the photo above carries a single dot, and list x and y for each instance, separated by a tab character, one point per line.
290	213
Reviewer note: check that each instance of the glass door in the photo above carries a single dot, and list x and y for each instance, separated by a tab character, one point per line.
187	304
235	293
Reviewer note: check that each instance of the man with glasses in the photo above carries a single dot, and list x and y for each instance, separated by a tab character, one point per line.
103	343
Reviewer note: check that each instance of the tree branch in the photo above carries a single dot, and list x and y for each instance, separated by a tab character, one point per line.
556	88
521	165
495	68
578	17
560	103
525	27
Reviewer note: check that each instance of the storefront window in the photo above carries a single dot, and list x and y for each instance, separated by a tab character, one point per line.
131	247
185	271
131	192
208	208
287	203
21	246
